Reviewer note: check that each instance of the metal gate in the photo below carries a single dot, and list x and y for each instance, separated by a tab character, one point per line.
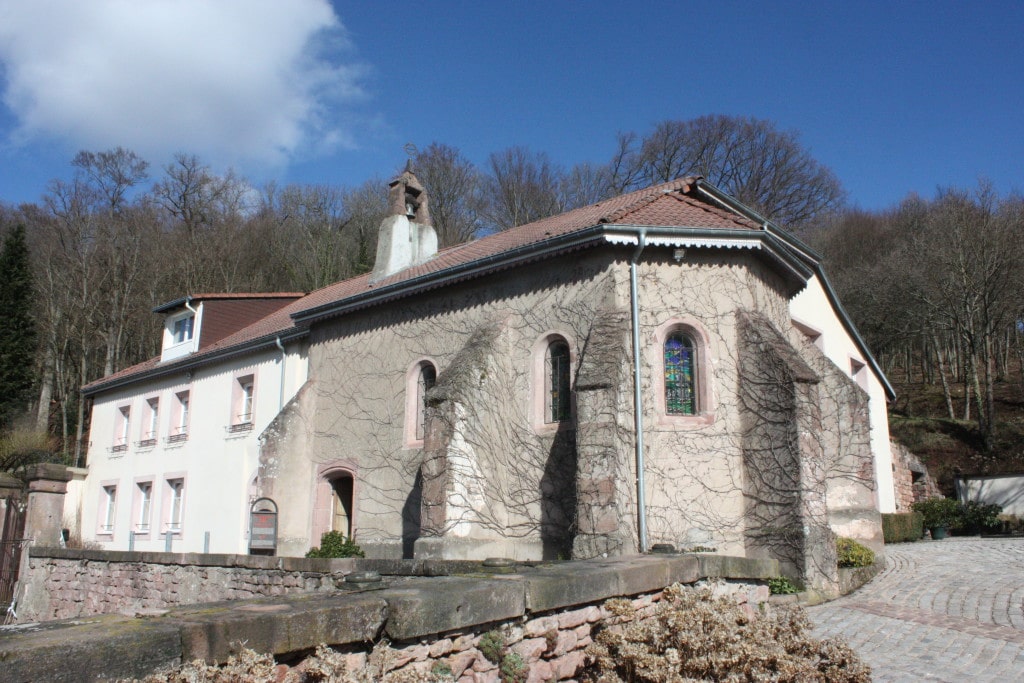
10	550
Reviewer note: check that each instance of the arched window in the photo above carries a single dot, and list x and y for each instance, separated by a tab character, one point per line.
680	382
558	394
425	382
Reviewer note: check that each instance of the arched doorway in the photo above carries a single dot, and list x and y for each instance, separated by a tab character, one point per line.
334	503
341	503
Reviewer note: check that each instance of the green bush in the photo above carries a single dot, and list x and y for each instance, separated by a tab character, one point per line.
902	527
853	554
513	669
780	585
939	512
335	544
492	646
977	517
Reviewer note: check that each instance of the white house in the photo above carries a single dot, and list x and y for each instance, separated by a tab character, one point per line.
174	445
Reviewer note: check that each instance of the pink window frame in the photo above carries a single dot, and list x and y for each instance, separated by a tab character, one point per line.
137	507
101	516
813	334
703	391
414	409
235	420
152	409
122	427
166	503
540	382
175	428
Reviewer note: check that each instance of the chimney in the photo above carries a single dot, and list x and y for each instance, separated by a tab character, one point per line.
406	236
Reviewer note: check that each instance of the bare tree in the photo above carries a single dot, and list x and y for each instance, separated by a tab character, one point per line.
522	187
364	208
453	184
206	212
749	158
113	173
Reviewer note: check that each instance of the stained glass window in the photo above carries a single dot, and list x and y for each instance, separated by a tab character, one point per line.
558	381
679	383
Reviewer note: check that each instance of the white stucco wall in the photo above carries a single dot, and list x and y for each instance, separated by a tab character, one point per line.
216	464
1006	490
812	309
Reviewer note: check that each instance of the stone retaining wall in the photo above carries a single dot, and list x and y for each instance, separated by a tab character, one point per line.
545	614
77	583
548	647
63	583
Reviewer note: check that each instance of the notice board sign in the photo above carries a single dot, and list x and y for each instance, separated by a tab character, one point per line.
263	525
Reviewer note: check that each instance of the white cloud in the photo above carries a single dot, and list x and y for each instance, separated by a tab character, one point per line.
244	82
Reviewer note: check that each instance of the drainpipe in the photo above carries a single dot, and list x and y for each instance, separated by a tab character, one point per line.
280	392
195	322
638	415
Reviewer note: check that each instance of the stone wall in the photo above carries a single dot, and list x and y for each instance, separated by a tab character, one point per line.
63	583
545	614
550	647
910	479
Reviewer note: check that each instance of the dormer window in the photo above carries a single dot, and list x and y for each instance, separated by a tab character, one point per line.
181	333
182	330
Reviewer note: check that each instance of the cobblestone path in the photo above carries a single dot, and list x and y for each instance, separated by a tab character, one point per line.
950	610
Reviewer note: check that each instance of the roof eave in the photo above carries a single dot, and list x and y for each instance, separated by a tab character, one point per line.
851	330
191	362
730	202
532	252
602	233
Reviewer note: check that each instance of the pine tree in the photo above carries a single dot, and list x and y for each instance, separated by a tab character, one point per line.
17	327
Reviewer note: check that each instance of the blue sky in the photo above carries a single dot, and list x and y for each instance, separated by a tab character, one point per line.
894	97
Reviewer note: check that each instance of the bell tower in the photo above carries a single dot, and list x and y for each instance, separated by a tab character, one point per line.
407	237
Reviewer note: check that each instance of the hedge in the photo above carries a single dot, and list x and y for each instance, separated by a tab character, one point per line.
902	527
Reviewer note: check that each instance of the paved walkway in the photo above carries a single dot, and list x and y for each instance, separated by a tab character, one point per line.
950	610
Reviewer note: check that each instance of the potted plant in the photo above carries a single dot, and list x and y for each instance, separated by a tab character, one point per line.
940	515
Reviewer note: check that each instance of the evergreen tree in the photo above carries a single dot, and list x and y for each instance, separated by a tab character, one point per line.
17	327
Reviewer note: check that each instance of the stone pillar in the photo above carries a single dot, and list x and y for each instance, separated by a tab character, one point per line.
606	519
47	484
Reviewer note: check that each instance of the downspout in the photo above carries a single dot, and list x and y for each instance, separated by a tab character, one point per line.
195	323
280	392
638	415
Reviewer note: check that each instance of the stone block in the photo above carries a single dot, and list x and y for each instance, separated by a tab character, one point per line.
571	584
566	642
539	626
439	605
440	648
103	647
682	568
539	671
573	618
731	567
461	661
530	649
567	665
288	624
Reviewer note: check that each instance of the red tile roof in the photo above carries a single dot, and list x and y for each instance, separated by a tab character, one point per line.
673	204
